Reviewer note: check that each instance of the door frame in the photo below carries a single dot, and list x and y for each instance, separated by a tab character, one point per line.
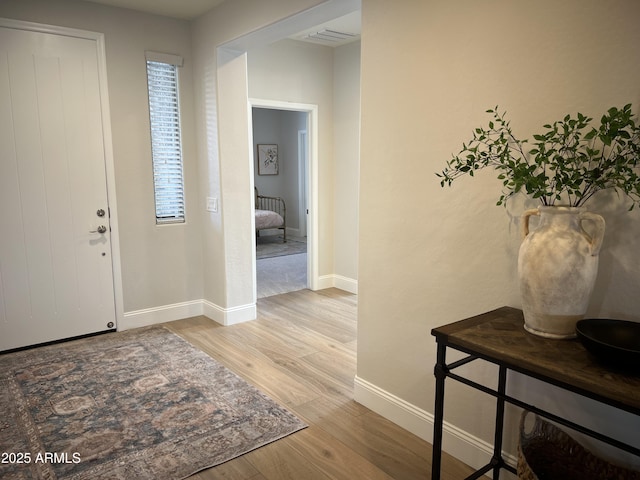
107	140
303	164
313	281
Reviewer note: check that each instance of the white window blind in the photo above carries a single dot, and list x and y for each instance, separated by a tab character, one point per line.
166	147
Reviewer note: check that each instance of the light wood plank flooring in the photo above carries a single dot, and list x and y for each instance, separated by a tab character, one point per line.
301	351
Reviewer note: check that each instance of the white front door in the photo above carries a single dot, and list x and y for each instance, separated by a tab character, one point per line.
56	277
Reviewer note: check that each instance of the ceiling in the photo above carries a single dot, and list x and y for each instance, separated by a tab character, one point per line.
184	9
337	32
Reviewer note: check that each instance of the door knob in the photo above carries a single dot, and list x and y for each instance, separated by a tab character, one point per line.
101	229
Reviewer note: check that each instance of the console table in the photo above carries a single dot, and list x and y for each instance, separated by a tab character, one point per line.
499	337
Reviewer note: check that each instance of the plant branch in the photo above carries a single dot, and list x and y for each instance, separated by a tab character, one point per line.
565	164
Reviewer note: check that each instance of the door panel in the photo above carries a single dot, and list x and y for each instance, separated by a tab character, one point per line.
56	278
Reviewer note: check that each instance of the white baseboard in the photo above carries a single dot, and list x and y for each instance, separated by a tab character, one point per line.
347	284
229	316
223	316
338	281
456	442
324	281
178	311
160	314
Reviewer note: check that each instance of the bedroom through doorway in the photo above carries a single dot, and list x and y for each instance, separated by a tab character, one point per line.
281	167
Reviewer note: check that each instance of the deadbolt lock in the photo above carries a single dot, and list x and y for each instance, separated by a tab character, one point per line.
100	213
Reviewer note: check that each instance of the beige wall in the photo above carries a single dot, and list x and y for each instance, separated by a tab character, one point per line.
220	87
220	84
297	72
429	256
208	258
160	265
346	127
291	71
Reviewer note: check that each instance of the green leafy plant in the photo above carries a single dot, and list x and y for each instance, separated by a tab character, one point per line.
567	163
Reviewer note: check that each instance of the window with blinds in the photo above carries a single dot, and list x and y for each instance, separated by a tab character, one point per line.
166	148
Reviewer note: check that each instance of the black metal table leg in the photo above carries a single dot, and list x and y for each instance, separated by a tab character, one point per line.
440	373
497	460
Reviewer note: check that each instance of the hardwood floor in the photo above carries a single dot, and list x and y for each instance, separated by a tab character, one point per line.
301	351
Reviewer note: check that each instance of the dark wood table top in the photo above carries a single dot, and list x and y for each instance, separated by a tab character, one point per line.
500	336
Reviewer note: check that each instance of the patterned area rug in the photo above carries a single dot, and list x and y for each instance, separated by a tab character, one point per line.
139	404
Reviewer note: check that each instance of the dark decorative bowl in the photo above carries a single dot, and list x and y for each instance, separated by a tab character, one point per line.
613	342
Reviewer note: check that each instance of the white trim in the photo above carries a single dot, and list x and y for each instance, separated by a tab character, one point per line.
338	281
229	316
303	165
313	281
194	308
111	180
324	281
456	442
313	218
52	29
344	283
408	416
161	314
252	185
167	58
107	140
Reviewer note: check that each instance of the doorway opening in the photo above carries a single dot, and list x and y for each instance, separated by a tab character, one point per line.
286	263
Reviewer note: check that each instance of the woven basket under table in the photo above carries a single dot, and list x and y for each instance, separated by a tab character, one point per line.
547	452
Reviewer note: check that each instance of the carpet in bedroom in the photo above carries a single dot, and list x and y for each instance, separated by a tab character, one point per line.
281	274
269	246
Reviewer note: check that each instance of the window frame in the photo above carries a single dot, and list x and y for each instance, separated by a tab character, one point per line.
163	90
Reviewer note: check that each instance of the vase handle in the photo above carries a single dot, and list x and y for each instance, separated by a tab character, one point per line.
525	220
598	235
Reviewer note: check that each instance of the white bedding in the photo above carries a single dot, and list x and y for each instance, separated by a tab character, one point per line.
268	219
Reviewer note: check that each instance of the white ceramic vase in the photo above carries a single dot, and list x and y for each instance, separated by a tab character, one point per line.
557	268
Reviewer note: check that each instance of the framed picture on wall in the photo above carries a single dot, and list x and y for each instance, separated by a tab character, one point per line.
267	159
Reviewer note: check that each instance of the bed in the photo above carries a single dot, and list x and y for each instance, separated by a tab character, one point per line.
271	213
